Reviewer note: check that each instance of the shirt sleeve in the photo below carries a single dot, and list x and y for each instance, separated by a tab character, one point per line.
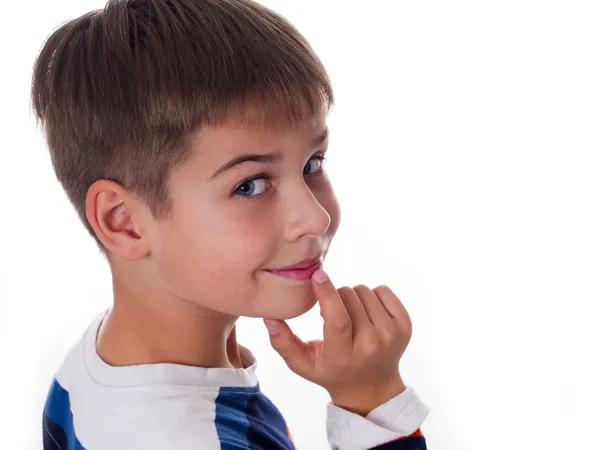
394	425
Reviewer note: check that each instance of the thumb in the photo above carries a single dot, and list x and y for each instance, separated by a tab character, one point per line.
289	346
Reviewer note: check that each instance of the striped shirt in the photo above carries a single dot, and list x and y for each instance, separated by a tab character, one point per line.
94	406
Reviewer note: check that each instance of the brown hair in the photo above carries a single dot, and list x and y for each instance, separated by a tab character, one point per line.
119	91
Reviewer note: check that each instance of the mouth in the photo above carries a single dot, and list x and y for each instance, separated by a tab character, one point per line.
299	272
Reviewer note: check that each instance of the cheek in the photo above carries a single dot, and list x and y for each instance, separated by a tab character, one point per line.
212	265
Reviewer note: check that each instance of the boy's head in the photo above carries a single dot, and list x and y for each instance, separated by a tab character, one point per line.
143	105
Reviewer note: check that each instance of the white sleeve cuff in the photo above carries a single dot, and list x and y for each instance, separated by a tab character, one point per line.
398	417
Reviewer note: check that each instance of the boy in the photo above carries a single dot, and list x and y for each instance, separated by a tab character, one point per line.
189	135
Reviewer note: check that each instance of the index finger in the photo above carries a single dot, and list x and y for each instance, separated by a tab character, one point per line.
337	326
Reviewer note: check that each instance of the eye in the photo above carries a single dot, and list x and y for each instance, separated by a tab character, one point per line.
253	187
318	160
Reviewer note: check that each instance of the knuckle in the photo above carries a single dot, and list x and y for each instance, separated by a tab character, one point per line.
383	288
408	331
405	334
405	325
388	335
344	290
341	323
360	287
409	325
370	344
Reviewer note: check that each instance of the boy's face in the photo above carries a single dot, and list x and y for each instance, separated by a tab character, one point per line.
228	229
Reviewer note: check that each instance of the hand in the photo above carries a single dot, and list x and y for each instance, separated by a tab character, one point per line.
365	333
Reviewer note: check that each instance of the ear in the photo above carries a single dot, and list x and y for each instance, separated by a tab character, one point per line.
110	210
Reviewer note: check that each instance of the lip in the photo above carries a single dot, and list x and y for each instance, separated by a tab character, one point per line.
299	274
301	265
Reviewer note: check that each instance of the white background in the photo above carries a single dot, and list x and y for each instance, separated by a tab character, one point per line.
465	154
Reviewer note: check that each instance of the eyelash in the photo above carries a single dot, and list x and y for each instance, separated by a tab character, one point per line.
267	177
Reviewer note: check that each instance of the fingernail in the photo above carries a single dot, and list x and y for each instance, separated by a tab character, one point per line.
320	276
272	329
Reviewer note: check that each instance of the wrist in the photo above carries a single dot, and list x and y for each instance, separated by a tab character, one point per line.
363	399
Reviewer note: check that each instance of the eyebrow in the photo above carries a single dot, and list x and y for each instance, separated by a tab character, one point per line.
269	158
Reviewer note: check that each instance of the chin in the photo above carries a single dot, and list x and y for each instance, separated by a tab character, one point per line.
300	306
283	299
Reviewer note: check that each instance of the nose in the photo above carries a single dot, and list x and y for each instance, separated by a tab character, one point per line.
305	214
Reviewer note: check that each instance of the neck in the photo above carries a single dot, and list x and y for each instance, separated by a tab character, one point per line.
174	331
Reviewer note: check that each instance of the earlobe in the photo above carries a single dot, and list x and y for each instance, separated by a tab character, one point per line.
109	215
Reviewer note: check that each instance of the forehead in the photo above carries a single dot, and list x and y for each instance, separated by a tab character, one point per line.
216	143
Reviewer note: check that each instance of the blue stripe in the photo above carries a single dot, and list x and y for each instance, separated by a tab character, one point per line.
246	419
58	410
230	417
267	426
